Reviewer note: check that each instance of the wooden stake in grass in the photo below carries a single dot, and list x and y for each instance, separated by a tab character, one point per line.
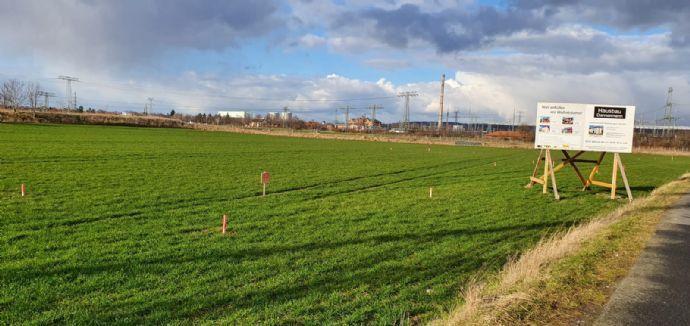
23	190
431	192
265	178
225	224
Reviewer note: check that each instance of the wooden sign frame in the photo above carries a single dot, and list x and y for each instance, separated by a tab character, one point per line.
568	160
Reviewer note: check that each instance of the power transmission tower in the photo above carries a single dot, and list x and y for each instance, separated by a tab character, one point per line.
285	116
68	91
347	117
440	107
45	95
668	119
447	115
512	128
472	120
373	109
406	114
149	106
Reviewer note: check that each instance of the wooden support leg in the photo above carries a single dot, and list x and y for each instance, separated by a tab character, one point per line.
614	176
546	171
570	160
578	154
534	172
553	179
595	169
550	170
625	178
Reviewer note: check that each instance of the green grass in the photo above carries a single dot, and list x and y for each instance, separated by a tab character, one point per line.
120	225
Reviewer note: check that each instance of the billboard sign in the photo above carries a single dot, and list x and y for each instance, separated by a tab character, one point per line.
585	127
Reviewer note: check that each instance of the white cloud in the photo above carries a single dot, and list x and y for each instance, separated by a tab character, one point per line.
311	40
567	60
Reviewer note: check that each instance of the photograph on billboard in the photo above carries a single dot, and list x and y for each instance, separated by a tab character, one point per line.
586	127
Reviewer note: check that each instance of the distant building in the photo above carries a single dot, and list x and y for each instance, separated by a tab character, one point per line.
362	123
279	115
234	114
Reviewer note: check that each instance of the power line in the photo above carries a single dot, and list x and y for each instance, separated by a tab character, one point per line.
248	98
136	105
71	101
129	87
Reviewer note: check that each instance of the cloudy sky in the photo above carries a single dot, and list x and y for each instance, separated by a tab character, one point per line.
314	56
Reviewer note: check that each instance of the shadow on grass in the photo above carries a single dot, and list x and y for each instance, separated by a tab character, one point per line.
388	266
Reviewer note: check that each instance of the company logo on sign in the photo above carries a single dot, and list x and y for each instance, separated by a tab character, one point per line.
609	112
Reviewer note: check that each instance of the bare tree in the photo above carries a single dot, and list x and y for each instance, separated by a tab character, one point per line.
32	90
12	92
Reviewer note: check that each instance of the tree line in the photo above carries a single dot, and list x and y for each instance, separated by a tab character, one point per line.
15	93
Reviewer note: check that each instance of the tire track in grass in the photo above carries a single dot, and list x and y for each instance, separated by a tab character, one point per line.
337	277
253	254
386	184
176	204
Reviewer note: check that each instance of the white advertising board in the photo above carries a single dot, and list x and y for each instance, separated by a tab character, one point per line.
585	127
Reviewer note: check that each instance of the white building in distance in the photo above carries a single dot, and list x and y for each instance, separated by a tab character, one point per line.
234	114
279	115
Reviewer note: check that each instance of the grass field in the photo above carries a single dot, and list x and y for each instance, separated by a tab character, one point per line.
121	225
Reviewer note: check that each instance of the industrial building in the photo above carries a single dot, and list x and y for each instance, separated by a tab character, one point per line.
235	114
279	115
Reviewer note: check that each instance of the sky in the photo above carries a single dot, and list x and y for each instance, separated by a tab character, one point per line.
499	57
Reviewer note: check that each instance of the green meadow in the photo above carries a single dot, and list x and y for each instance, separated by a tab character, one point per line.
122	225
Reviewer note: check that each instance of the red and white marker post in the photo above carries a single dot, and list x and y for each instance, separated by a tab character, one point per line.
265	179
23	190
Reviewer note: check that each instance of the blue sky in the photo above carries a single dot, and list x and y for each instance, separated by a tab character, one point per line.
498	56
